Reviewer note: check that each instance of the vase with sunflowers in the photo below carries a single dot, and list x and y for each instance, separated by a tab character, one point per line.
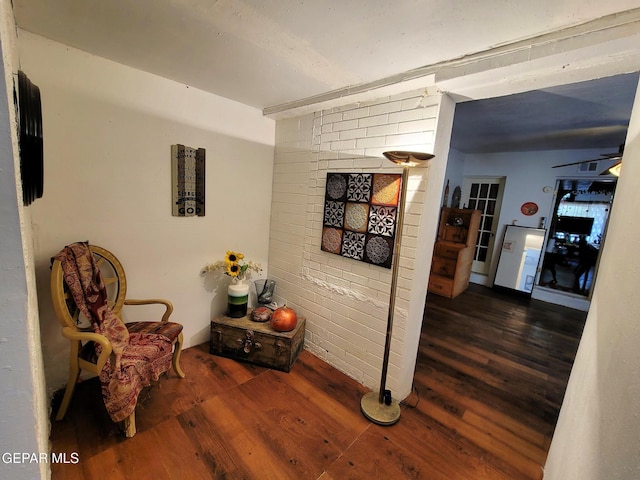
235	266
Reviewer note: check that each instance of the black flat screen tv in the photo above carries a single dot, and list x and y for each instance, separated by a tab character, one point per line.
575	225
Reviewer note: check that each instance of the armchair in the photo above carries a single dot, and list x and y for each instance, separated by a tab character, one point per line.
88	289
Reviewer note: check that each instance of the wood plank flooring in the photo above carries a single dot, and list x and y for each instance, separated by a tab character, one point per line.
489	381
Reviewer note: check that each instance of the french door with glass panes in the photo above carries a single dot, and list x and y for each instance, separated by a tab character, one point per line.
484	194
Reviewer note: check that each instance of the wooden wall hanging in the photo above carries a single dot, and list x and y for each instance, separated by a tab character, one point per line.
360	212
187	177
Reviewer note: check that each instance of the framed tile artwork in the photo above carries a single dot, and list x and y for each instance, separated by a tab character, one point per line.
360	212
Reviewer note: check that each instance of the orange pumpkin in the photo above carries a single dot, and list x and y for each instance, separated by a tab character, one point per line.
284	319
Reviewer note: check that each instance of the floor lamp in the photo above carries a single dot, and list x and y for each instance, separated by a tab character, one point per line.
380	407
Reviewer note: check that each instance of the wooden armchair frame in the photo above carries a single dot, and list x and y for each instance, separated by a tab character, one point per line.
80	333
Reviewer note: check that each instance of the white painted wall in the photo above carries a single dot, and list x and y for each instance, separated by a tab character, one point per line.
346	301
23	403
108	131
454	174
597	432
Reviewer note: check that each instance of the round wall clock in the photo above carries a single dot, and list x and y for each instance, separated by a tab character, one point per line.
529	208
31	148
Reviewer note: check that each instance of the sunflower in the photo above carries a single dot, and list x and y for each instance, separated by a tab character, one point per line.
234	266
233	269
233	257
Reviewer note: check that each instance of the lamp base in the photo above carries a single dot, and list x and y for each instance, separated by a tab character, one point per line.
377	412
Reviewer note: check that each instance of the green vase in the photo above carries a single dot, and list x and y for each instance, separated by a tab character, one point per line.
237	299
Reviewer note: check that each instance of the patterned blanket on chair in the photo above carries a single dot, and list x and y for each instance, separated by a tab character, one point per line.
137	359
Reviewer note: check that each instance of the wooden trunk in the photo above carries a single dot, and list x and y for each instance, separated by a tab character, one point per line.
256	342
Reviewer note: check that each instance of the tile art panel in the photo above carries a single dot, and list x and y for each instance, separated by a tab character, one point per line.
336	187
360	215
382	220
386	189
356	217
334	213
379	250
353	245
332	240
359	187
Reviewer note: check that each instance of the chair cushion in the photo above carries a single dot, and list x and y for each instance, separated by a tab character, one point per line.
168	329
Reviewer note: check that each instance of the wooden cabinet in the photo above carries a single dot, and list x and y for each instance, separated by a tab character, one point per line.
453	251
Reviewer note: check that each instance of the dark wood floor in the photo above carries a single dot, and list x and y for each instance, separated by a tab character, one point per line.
489	382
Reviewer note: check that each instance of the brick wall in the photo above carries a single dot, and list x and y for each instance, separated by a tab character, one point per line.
346	301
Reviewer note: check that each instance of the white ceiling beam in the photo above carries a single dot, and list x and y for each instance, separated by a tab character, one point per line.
602	47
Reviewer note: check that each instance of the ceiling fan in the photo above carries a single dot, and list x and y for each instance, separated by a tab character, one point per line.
614	169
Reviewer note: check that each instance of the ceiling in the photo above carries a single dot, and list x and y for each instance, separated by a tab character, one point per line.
585	115
266	53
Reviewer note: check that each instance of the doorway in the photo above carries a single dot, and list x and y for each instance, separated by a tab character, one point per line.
577	231
472	155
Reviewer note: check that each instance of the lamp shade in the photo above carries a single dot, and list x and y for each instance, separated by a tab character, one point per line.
409	159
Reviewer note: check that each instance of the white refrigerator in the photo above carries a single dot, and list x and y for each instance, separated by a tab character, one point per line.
519	258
